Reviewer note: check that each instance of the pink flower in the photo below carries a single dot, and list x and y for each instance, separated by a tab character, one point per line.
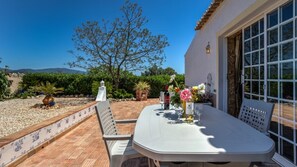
185	95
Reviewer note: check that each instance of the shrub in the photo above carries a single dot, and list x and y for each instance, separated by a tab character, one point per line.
80	85
95	87
121	94
88	84
4	90
24	95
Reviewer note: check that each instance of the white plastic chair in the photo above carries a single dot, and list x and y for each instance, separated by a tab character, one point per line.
119	147
256	114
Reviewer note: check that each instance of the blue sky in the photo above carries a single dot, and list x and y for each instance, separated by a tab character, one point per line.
37	33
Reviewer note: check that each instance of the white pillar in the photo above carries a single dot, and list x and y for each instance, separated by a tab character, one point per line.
101	96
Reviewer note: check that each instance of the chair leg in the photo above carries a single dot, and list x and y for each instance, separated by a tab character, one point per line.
116	162
257	164
157	163
153	163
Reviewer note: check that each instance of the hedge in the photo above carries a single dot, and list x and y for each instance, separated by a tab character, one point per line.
82	83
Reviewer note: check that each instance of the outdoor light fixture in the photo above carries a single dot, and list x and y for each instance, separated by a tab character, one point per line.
207	49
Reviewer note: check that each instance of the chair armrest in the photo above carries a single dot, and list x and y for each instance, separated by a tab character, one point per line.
117	137
126	121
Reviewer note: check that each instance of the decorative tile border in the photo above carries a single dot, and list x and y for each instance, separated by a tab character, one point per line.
19	145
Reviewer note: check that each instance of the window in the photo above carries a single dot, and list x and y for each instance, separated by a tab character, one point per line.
254	60
272	36
270	70
272	19
287	11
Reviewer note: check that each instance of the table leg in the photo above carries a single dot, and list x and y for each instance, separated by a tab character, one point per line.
157	163
153	163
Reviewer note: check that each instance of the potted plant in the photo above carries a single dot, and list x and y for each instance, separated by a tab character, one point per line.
49	90
142	90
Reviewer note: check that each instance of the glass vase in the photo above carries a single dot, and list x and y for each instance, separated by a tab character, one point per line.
184	105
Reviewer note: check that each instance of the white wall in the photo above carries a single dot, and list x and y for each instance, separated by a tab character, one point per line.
197	63
231	15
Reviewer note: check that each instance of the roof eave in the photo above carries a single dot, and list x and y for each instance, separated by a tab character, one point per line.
208	13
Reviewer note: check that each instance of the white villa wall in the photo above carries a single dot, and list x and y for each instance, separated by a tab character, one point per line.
197	63
230	17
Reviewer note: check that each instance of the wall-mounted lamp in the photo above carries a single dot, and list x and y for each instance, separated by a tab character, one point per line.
207	49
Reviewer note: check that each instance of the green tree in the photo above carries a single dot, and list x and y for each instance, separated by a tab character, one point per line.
4	84
124	45
155	70
169	71
101	71
6	69
95	71
4	91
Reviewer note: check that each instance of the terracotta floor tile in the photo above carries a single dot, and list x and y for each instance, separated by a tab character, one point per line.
88	162
83	145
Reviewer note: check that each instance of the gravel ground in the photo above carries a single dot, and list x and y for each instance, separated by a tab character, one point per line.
17	114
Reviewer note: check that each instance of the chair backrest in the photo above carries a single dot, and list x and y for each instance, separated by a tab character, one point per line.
257	114
106	123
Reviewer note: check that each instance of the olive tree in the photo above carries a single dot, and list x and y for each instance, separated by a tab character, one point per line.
121	46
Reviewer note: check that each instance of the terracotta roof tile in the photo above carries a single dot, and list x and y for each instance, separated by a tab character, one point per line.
208	13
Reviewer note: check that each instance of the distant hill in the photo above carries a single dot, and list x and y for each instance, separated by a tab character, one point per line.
48	70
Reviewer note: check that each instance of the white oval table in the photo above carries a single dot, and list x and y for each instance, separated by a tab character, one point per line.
218	137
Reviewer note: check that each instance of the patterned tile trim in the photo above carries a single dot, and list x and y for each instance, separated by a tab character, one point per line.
14	150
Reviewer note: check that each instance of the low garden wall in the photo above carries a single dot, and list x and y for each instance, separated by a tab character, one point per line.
17	147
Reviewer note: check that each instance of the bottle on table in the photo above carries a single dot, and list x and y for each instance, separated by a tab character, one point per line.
166	98
189	111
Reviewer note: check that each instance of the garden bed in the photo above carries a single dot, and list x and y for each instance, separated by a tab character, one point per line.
31	126
17	114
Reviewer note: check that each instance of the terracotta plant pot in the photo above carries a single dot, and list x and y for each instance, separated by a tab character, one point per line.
48	100
141	95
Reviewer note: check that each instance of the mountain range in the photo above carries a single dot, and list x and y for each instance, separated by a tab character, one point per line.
48	70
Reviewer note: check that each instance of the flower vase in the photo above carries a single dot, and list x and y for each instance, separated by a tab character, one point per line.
184	105
189	112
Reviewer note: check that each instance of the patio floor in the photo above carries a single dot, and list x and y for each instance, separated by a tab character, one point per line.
83	146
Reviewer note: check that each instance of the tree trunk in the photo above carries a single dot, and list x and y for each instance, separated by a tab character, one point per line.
117	78
114	78
116	85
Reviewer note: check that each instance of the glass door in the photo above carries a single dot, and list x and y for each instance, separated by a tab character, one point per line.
270	73
253	61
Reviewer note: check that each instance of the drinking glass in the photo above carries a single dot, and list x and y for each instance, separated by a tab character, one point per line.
161	98
198	114
179	113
